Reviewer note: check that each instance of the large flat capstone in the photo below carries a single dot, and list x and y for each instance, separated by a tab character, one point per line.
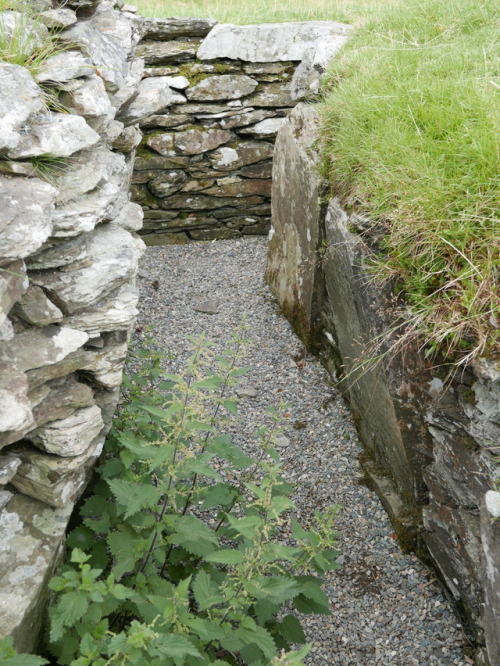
268	42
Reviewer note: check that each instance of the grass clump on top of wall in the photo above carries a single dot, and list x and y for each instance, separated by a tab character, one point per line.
410	125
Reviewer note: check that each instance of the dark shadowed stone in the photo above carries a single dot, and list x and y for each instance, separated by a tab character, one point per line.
152	161
35	308
158	29
207	307
166	239
224	87
222	233
167	120
260	170
157	53
201	202
238	187
167	183
260	229
490	533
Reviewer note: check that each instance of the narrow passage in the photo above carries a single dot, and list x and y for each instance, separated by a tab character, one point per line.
387	609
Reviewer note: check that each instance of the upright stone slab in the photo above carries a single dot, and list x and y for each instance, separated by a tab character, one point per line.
294	258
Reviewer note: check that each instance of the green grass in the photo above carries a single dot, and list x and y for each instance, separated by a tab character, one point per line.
261	11
410	122
411	137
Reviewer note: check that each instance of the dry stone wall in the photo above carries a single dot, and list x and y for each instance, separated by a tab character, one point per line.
204	167
431	444
68	260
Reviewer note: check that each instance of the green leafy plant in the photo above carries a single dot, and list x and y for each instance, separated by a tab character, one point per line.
9	656
180	558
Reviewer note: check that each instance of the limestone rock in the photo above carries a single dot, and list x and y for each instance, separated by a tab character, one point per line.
5	497
116	313
25	216
71	436
105	366
35	348
178	82
158	53
268	42
265	129
127	140
307	77
20	99
153	95
224	87
32	545
35	308
15	408
89	100
58	18
13	284
194	141
127	91
55	480
107	38
113	257
64	396
55	134
246	152
161	30
130	217
58	254
102	203
162	144
64	67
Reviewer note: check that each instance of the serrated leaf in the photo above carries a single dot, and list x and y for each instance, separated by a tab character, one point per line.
226	556
192	534
256	636
291	630
224	448
222	494
213	382
70	608
201	466
246	526
173	645
205	629
310	587
308	606
164	414
278	588
205	590
231	406
9	657
126	556
132	496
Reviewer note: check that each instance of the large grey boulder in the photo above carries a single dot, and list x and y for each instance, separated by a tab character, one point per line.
268	42
35	348
55	134
20	99
307	77
113	256
70	436
64	67
25	216
154	94
82	213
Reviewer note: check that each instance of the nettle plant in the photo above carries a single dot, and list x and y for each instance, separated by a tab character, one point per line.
181	557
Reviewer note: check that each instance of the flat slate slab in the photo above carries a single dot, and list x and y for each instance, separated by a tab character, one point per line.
268	42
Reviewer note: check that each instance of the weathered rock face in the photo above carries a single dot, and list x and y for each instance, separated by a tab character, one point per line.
208	154
430	444
68	259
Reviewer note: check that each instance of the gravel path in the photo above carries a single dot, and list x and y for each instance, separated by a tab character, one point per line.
386	608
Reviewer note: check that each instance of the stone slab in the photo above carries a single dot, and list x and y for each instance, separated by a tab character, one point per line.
267	42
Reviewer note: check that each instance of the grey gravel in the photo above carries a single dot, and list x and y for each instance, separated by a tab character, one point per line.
387	608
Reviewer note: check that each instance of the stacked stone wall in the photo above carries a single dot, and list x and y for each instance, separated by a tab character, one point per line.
68	260
204	167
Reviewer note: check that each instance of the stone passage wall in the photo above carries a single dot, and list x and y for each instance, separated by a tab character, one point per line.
203	169
431	446
68	258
